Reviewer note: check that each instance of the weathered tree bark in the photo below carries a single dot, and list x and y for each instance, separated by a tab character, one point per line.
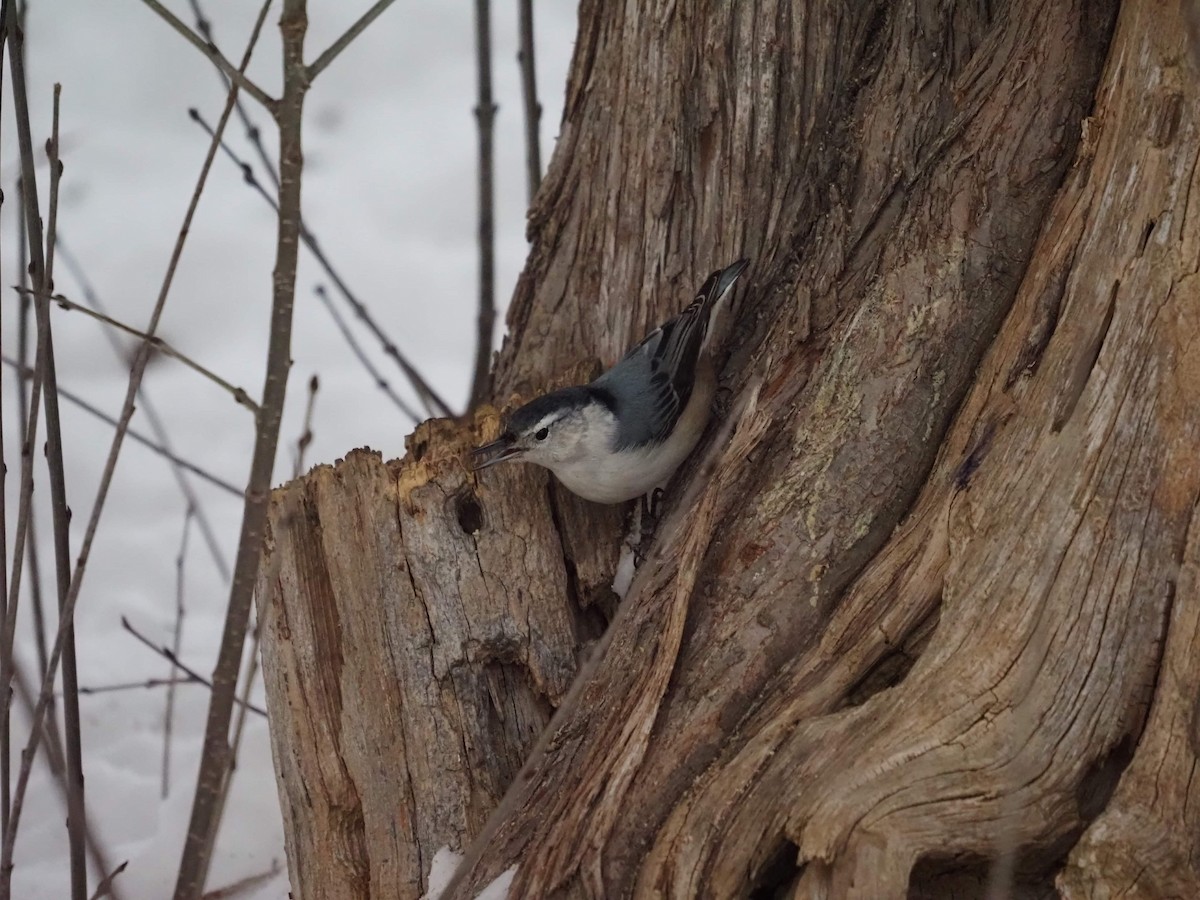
924	620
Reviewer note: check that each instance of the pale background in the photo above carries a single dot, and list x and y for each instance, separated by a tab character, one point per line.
389	190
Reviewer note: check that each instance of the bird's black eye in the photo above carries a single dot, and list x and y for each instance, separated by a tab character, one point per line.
542	433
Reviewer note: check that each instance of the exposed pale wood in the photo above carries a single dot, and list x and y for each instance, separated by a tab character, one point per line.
900	634
1143	846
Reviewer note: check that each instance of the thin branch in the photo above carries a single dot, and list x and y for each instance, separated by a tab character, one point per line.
165	653
322	62
361	356
22	532
533	109
5	724
240	724
161	442
253	134
43	280
153	340
25	538
24	375
434	404
306	433
145	684
137	372
218	59
54	751
432	401
290	506
485	114
248	175
214	761
107	884
176	643
272	574
140	438
57	766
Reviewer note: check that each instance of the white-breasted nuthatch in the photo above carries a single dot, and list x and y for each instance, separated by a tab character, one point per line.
625	433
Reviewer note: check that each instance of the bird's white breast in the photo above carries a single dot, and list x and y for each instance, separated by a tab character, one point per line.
605	476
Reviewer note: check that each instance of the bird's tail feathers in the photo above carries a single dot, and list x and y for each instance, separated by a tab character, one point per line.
716	288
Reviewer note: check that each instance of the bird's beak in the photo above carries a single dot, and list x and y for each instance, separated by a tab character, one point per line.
499	450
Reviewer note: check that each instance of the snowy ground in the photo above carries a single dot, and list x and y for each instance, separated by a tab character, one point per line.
389	190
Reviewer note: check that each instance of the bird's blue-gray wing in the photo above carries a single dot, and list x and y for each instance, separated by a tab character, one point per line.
651	385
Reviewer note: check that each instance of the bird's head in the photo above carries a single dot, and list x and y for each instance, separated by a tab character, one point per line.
554	429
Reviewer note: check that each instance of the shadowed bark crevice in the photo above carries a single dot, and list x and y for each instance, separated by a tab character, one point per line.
892	668
778	876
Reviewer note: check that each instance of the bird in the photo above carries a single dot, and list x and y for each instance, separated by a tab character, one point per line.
624	434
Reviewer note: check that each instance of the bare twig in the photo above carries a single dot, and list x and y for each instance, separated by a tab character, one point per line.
54	751
239	726
253	134
533	109
321	62
43	280
25	538
24	374
133	435
153	340
176	642
161	442
105	887
306	434
361	356
21	533
210	50
144	684
251	675
485	114
137	371
248	175
433	403
5	724
6	647
57	766
214	762
165	653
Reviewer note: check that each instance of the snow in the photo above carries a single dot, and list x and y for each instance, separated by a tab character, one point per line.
389	191
445	864
441	871
498	889
626	566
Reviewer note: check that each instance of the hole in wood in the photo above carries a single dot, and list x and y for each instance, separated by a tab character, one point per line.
1098	784
1147	233
779	875
469	513
1022	873
894	666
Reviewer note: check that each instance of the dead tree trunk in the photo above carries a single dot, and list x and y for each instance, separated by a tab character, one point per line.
925	618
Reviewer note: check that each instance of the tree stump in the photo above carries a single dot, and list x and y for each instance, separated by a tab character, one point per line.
417	634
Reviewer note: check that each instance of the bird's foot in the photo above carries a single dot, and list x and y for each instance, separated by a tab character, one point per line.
649	507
